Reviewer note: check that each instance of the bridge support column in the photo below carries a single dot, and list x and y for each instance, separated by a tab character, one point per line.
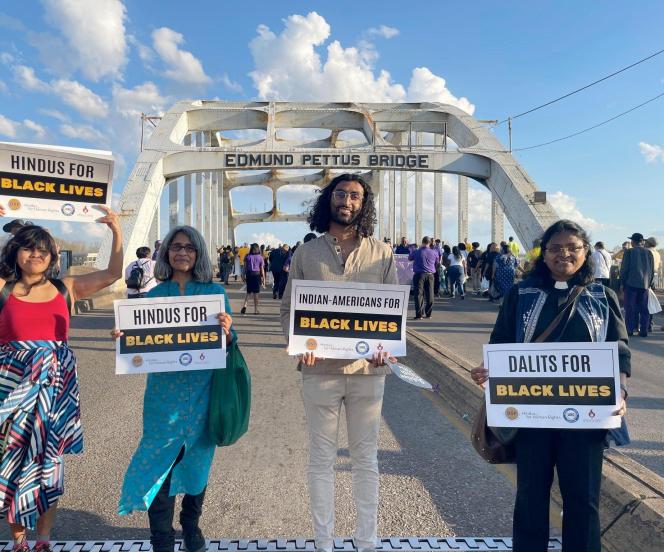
155	228
403	199
198	190
221	220
438	194
418	195
392	208
187	189
497	221
463	208
377	187
173	204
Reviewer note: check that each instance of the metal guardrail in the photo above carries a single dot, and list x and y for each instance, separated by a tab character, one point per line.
394	544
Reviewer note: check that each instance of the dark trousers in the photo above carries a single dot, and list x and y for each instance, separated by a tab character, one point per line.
162	510
436	282
577	456
423	282
276	276
283	280
637	316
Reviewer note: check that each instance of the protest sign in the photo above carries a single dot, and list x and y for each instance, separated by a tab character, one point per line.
553	385
54	182
347	319
169	334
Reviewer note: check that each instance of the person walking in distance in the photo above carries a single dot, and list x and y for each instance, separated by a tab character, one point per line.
346	251
602	264
637	273
139	274
424	268
277	260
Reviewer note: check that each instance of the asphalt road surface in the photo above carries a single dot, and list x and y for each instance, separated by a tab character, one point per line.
432	482
463	326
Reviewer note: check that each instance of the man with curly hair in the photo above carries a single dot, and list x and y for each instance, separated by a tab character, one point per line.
345	215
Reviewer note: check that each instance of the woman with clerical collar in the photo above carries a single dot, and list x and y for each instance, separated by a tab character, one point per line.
529	307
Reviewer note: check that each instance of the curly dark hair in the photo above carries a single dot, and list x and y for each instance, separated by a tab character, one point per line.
319	216
32	237
584	275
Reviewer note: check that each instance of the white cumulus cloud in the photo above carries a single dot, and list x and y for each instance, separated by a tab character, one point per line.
26	77
288	66
94	34
182	65
86	133
36	129
566	207
8	127
383	31
266	238
143	98
652	153
81	98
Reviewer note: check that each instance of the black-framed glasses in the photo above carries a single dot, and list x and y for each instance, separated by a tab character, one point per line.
177	247
341	195
574	249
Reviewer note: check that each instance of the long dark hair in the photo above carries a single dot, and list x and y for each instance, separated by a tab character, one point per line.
456	252
31	237
319	216
584	275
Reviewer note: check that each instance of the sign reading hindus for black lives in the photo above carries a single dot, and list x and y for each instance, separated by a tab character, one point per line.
553	385
53	182
169	334
347	319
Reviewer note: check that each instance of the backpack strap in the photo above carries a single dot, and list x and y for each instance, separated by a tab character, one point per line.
5	292
62	290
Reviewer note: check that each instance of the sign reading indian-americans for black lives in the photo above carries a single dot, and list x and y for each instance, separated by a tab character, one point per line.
347	319
553	385
54	182
169	334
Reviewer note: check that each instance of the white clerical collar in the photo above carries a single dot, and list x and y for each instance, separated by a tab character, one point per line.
560	285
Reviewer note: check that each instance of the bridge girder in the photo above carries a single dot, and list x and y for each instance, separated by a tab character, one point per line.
386	128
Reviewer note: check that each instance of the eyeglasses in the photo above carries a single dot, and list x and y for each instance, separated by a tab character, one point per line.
555	249
177	247
341	195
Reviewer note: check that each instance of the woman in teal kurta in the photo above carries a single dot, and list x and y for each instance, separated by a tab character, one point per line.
175	447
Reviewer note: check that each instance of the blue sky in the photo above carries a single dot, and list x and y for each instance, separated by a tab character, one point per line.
79	72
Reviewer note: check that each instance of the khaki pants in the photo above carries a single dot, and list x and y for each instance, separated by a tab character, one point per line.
363	397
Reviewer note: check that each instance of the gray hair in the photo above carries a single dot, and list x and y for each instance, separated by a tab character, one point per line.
202	271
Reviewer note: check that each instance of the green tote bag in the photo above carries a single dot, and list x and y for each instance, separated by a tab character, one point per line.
230	399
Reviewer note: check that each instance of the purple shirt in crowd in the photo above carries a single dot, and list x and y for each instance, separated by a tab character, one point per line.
253	263
424	259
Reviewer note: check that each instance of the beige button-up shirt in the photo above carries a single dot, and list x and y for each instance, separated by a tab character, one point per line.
371	262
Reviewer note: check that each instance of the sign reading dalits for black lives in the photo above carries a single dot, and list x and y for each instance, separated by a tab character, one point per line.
54	182
347	319
553	385
169	334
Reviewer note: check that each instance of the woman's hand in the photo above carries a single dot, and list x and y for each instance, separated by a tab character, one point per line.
110	219
479	374
225	322
378	359
2	210
309	358
623	404
116	334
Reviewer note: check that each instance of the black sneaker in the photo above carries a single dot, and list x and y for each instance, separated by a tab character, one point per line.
194	541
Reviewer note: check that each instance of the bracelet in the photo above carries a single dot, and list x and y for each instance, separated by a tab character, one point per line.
623	387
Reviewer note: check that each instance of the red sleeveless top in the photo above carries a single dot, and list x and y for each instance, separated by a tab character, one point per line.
24	321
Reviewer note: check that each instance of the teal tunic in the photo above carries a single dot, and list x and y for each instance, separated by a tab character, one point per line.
175	410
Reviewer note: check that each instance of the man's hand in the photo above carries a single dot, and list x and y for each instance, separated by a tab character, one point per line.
378	359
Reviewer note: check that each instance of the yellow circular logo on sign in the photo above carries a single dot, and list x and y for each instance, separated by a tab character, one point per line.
137	360
311	344
14	204
511	413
